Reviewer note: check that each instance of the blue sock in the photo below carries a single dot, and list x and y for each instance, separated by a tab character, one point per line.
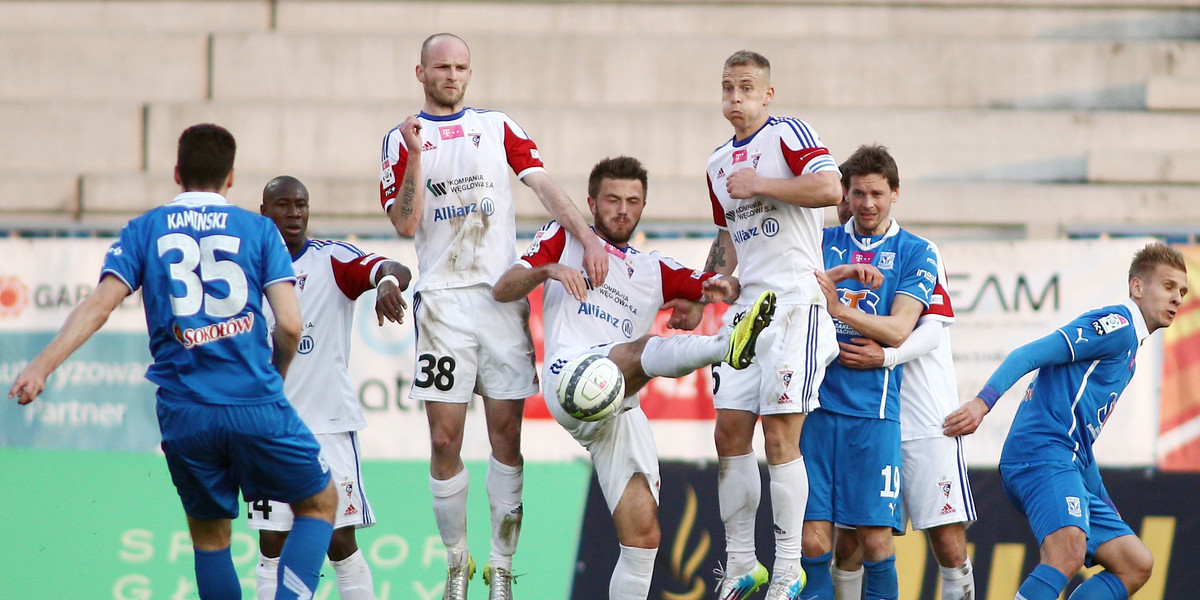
1044	583
1101	586
820	584
879	579
215	575
302	557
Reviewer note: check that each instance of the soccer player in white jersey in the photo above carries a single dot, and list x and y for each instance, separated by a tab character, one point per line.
330	276
768	184
614	319
936	491
444	181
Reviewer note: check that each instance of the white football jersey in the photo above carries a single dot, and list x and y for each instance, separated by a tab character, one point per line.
330	276
467	229
778	244
929	389
621	310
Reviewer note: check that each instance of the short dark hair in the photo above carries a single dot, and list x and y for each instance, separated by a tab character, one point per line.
205	157
871	159
435	37
743	58
1152	255
621	167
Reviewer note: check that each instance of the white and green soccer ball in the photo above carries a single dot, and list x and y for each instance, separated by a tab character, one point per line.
590	387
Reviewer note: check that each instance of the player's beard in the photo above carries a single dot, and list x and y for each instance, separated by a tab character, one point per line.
445	98
614	236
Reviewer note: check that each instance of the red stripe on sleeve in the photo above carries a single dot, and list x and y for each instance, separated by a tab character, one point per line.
718	212
682	282
522	152
547	246
354	277
942	308
390	176
798	159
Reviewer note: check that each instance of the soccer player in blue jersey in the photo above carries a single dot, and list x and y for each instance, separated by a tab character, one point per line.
204	266
1047	466
853	441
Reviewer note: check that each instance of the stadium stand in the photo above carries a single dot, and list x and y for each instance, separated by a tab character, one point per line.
1016	119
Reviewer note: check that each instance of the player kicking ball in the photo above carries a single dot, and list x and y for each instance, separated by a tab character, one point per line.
613	320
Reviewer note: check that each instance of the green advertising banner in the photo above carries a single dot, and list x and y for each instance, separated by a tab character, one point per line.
98	399
100	525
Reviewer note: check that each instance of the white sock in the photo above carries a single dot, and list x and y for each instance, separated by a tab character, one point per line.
354	577
450	511
958	582
631	577
679	355
789	497
739	490
504	484
267	573
847	585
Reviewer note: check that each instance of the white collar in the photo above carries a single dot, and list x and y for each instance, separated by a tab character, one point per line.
199	199
862	241
1139	322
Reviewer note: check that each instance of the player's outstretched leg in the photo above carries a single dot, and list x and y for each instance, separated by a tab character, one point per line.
745	333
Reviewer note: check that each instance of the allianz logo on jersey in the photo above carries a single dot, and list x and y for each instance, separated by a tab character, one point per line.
768	228
486	206
591	310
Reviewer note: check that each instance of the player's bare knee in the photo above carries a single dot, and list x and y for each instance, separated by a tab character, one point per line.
876	543
949	544
1065	549
322	505
445	444
342	544
270	543
816	538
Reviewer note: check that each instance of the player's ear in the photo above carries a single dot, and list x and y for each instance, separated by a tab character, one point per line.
178	179
229	179
591	205
769	95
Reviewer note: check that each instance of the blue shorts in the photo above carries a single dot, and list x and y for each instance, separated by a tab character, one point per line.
1053	495
213	450
853	468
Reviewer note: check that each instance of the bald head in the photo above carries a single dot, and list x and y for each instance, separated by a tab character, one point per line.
283	185
442	40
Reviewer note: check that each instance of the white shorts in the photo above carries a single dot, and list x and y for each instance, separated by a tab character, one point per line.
789	363
467	343
621	445
936	489
340	451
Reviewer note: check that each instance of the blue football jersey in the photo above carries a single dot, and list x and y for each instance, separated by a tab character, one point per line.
1070	399
203	265
909	266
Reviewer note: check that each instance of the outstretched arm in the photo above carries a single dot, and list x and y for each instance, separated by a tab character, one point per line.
1048	350
595	258
84	320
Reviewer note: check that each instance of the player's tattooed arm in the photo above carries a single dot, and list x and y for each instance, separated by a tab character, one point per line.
405	213
722	257
520	280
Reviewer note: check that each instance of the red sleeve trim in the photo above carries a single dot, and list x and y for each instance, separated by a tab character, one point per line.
522	152
939	303
798	159
390	176
682	282
718	212
547	246
354	277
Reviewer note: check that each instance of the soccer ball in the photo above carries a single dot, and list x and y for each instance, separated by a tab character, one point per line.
590	387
